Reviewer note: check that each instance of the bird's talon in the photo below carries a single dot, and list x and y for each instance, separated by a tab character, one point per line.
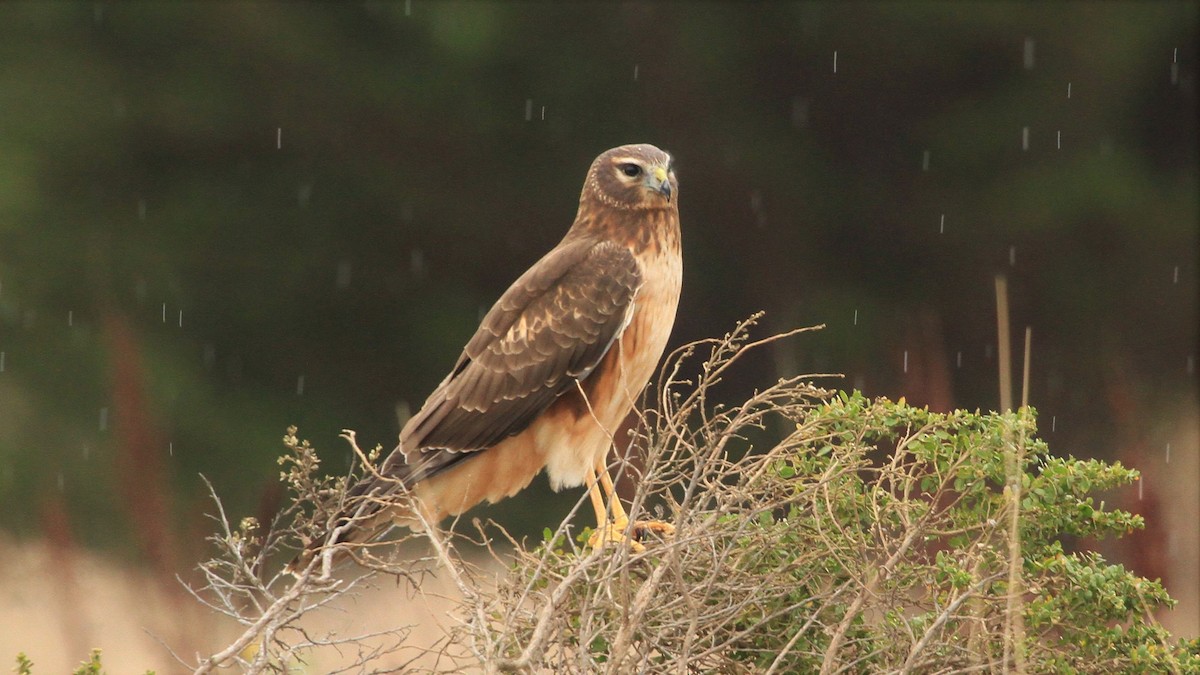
663	528
613	532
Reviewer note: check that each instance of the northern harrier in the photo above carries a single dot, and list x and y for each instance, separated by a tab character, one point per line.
552	371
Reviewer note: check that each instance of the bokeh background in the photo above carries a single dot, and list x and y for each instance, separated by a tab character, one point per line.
219	219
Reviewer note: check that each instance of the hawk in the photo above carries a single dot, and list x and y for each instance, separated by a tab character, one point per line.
552	371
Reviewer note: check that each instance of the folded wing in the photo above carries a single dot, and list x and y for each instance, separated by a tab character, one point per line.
547	332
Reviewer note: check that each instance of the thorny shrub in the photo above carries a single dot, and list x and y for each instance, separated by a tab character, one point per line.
815	532
861	536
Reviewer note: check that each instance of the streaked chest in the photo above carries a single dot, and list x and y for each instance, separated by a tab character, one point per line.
642	343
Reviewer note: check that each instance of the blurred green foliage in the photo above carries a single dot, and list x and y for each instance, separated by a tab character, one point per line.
272	214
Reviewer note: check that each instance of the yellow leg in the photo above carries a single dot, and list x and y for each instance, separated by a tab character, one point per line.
611	522
597	501
614	502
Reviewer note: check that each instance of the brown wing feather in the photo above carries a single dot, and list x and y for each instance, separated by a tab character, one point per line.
548	331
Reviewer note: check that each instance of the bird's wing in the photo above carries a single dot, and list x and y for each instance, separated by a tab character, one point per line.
547	332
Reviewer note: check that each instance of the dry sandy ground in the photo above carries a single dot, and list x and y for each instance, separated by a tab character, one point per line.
57	618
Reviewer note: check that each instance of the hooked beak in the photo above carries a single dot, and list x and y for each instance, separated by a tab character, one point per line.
660	182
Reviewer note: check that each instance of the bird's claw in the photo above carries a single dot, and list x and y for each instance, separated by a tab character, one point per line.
613	532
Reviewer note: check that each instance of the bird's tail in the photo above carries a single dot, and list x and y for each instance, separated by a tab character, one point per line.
376	503
367	510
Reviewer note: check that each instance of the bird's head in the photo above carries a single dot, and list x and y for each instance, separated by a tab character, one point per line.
633	177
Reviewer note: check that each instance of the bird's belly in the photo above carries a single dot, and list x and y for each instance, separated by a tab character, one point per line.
582	426
494	474
571	447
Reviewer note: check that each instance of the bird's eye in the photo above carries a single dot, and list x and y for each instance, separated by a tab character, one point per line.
631	170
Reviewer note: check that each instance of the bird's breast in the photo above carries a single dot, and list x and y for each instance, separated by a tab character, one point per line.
579	429
619	379
643	342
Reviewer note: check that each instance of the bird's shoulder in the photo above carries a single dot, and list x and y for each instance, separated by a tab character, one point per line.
548	331
579	277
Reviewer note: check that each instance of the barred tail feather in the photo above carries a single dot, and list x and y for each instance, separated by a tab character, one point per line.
373	506
367	513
